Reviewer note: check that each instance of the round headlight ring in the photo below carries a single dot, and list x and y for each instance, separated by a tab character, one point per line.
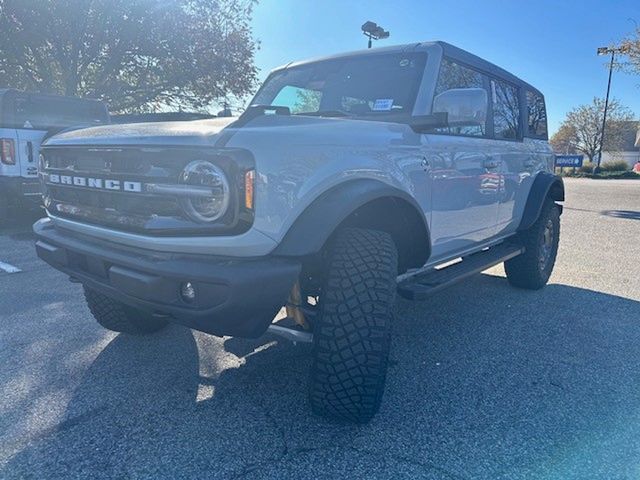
201	173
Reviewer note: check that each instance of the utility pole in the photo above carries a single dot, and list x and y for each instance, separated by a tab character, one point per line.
607	51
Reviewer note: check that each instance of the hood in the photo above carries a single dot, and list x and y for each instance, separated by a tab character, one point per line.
197	132
274	129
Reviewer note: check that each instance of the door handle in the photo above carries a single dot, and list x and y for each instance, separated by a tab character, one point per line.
490	163
30	152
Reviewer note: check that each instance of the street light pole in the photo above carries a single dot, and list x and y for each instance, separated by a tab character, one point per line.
606	106
606	51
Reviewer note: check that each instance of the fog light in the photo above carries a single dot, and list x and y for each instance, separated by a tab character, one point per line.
188	292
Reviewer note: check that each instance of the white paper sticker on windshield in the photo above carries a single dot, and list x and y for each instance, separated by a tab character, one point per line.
383	104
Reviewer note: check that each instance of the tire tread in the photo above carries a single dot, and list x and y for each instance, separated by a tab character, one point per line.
352	335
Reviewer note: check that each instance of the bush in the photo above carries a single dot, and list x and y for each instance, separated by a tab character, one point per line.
587	167
614	166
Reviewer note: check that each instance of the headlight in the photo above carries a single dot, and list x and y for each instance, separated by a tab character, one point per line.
212	187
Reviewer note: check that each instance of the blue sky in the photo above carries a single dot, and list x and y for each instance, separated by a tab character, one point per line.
550	44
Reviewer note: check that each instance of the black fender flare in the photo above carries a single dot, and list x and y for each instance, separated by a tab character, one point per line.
312	229
544	185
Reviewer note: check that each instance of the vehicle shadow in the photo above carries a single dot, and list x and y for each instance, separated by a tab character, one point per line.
485	381
626	214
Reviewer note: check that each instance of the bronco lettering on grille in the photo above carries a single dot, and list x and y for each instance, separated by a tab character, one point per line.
95	183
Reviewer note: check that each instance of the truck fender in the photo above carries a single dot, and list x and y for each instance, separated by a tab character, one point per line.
312	229
544	185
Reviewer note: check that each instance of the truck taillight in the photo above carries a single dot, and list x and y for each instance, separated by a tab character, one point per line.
7	151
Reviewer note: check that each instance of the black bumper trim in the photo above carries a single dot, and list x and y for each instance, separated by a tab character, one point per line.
236	297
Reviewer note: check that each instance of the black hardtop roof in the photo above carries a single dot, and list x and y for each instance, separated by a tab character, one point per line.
448	50
490	68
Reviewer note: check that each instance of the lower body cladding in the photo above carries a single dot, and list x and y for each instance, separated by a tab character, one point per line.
221	296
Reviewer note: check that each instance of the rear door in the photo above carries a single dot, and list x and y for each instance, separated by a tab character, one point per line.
28	151
30	131
510	152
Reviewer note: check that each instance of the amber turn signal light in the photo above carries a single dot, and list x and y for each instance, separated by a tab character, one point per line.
249	181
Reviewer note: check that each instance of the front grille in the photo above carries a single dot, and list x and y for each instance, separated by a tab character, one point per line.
135	211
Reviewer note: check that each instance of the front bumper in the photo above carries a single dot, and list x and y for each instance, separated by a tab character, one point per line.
237	297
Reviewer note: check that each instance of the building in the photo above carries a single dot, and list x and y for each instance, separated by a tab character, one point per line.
630	151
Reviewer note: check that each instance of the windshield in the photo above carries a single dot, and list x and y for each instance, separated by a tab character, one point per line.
371	86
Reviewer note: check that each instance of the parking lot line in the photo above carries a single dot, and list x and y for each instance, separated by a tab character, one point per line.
6	267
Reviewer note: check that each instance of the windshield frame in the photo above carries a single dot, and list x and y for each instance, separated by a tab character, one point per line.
382	116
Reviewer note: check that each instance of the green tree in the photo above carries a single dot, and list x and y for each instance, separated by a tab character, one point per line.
631	47
136	55
581	130
563	141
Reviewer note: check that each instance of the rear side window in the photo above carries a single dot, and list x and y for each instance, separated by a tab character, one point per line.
506	110
454	76
536	116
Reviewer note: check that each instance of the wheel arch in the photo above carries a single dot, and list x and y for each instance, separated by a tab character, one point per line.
362	203
545	185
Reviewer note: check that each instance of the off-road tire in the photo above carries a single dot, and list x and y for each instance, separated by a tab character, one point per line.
118	317
352	333
527	270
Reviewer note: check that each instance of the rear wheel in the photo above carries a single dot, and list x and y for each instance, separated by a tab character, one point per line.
118	317
352	331
532	269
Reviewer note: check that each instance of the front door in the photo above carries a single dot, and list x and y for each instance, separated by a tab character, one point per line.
464	192
465	174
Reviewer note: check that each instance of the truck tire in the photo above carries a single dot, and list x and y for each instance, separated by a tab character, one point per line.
532	269
118	317
352	332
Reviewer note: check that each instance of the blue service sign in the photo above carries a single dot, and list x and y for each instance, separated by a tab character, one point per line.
569	160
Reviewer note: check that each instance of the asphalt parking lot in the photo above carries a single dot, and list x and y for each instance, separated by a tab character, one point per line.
486	381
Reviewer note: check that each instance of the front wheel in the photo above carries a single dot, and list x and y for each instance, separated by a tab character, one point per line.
118	317
352	332
532	269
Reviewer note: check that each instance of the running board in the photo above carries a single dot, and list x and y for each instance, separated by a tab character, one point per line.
425	284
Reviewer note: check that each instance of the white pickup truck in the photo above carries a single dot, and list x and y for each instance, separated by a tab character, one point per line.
348	180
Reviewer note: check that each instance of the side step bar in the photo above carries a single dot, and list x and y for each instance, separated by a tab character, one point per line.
425	284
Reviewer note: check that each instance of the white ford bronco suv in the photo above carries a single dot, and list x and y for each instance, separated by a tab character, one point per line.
26	119
348	179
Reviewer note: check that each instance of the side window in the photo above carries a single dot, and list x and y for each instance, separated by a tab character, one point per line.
536	116
506	110
461	84
299	100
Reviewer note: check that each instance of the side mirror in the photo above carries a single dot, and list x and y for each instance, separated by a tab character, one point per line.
463	106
